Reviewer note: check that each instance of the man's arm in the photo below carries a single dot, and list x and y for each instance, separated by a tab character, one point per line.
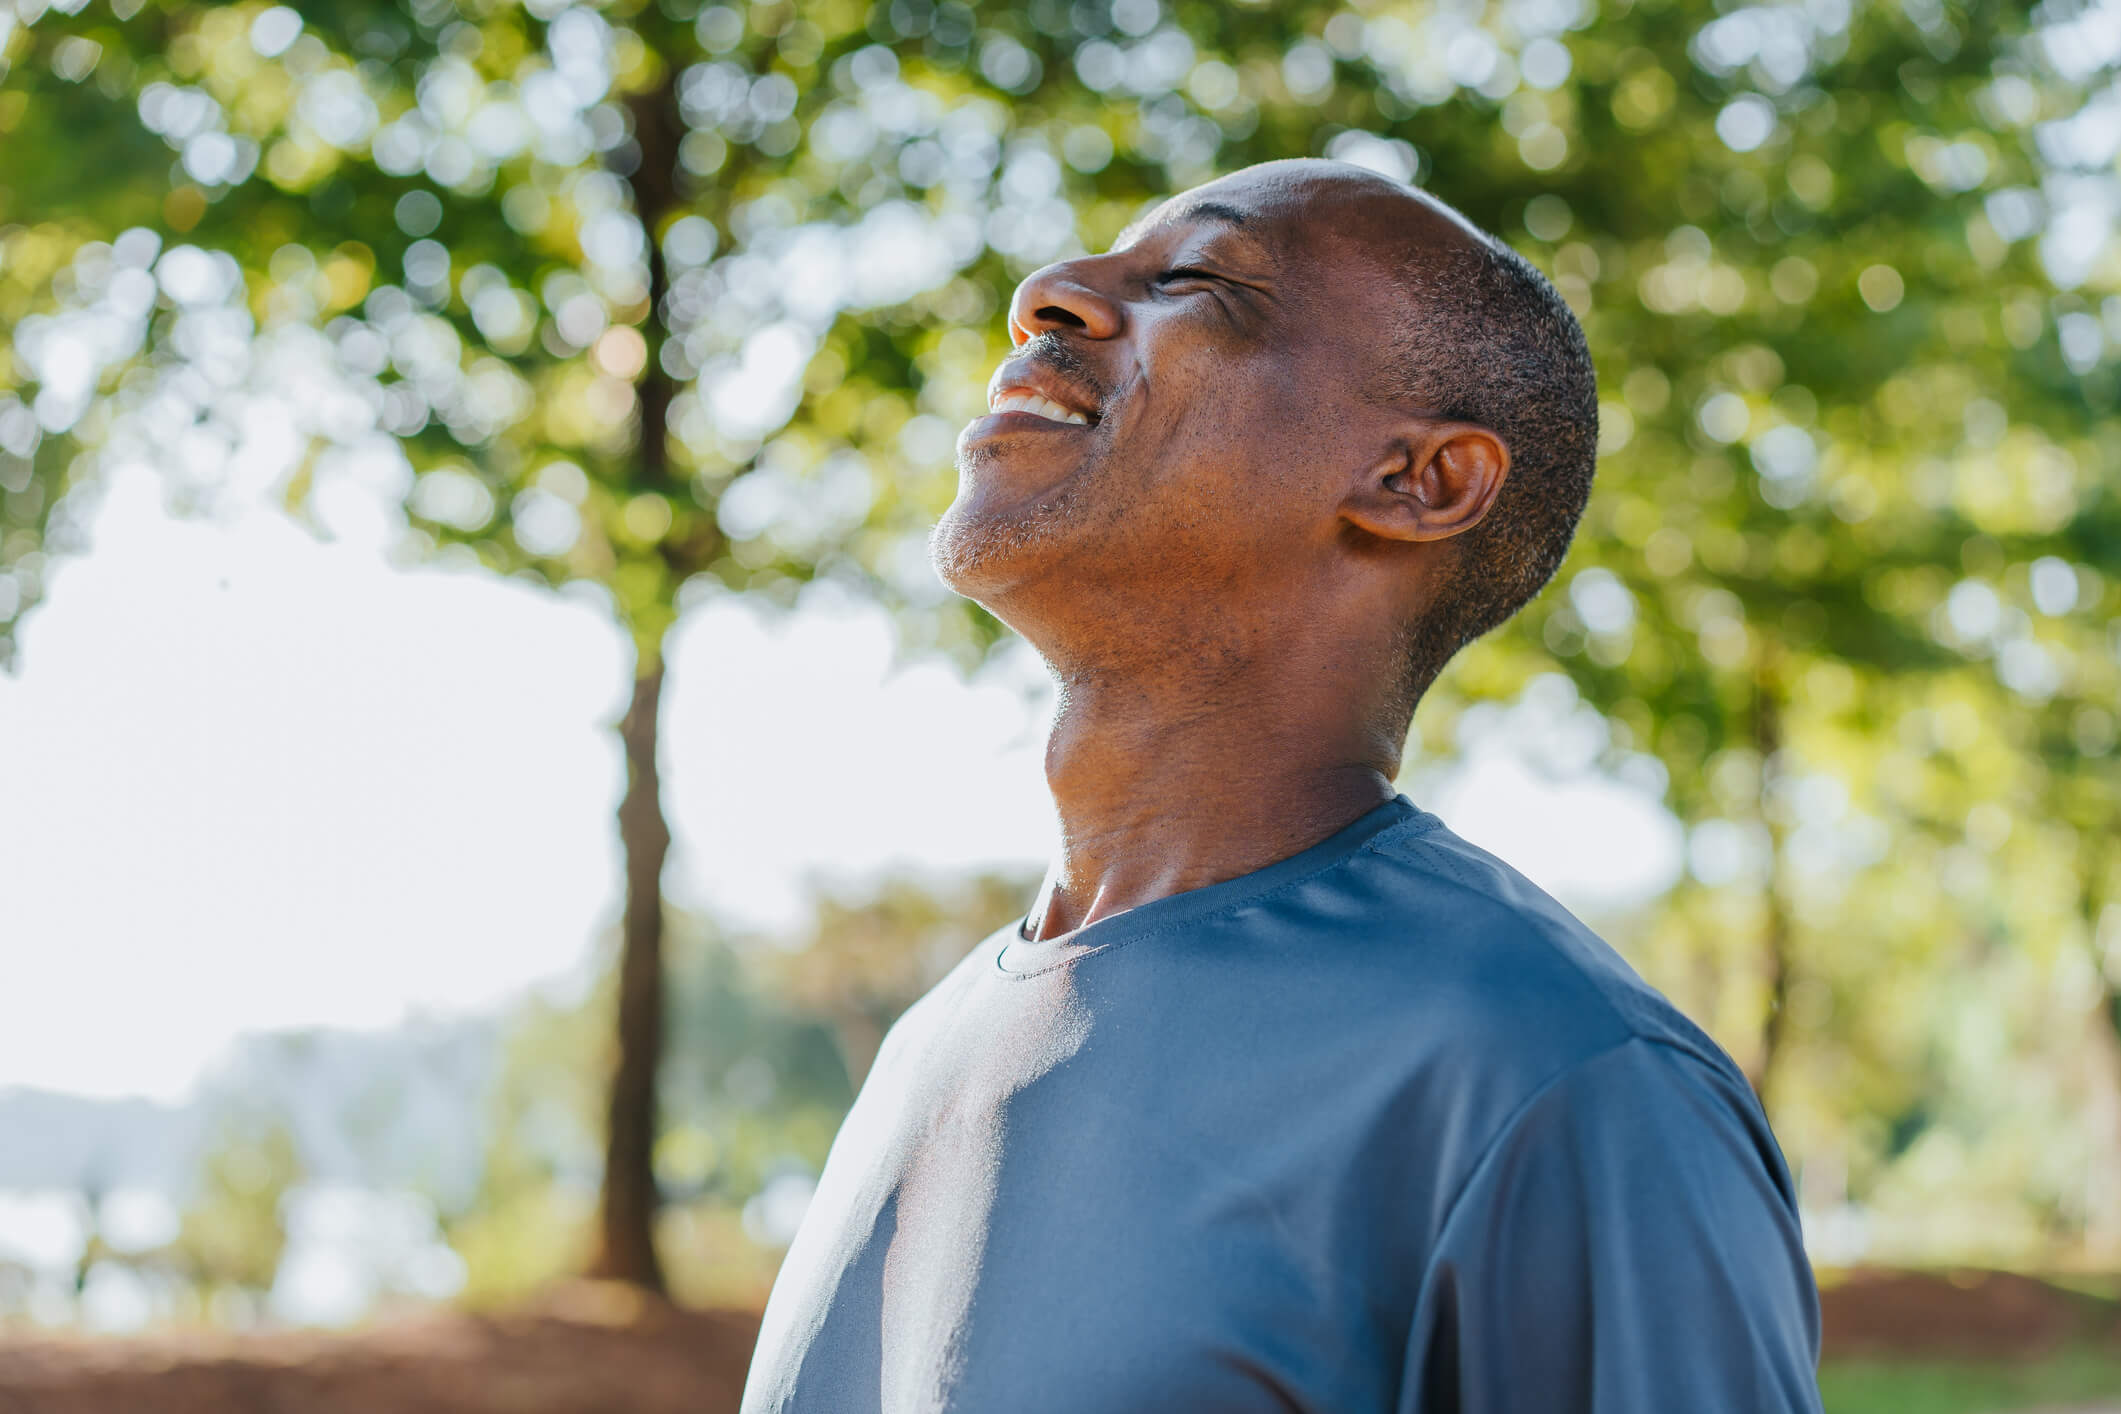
1628	1245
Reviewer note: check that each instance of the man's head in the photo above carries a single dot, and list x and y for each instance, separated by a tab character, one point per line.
1302	404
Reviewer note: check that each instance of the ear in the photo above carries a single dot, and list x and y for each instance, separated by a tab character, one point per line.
1438	480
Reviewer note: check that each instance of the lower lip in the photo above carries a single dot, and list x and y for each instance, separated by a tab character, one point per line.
996	423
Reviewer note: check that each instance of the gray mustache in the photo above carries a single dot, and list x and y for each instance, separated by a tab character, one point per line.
1063	357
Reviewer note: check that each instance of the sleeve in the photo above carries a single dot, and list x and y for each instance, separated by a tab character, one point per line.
1628	1245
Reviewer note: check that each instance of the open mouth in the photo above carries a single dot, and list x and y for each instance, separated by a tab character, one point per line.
1037	405
1043	385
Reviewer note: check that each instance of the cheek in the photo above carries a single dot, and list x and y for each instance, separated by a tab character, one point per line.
1208	400
1252	430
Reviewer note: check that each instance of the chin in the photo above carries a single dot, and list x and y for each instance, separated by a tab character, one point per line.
1040	522
976	555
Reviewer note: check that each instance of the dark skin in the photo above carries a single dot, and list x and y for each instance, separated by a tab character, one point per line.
1217	525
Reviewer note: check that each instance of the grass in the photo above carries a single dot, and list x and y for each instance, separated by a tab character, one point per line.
1935	1387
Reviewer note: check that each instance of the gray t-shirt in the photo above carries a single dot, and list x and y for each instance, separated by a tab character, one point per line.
1381	1127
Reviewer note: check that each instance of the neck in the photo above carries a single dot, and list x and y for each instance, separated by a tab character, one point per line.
1164	785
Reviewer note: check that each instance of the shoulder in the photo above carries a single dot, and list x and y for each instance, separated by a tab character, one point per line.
1469	994
1508	953
1617	1055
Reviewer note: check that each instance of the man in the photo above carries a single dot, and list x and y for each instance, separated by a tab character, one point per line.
1284	1097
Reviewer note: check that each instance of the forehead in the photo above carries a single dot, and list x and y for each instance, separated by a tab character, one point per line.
1316	211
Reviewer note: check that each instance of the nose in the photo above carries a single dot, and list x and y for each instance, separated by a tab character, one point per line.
1062	296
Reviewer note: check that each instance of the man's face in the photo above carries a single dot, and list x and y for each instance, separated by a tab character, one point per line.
1181	415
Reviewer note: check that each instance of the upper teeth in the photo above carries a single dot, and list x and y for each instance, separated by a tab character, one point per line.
1017	400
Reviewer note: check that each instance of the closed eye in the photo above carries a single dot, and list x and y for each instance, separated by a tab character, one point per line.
1184	273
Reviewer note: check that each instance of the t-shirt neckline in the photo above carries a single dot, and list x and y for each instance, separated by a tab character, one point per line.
1021	957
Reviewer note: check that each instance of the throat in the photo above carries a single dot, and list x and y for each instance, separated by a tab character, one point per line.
1155	803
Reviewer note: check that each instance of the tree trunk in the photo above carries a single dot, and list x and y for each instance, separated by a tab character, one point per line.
627	1206
626	1218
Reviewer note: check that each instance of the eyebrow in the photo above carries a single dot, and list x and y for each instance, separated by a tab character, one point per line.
1209	210
1215	211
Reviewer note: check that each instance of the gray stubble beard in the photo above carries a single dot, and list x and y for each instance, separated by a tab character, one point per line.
972	554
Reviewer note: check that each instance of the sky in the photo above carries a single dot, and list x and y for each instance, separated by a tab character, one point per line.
254	780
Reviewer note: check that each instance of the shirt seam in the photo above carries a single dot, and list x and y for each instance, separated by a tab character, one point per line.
1509	1123
1405	829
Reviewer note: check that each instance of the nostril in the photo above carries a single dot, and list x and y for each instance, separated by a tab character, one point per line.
1054	314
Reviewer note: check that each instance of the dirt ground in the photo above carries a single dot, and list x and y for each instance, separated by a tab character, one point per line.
588	1349
1961	1315
583	1350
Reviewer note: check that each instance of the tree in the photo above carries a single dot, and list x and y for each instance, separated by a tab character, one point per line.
751	1086
235	1229
635	295
544	147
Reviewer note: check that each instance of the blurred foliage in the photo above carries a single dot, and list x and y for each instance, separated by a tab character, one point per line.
1845	594
754	1086
865	961
228	1250
462	1158
527	1220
